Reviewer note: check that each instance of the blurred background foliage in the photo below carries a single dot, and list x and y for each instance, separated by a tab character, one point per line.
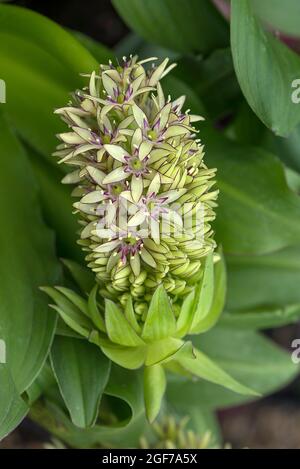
238	76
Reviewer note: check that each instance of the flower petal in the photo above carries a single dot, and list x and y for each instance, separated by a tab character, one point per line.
116	175
140	117
96	174
92	197
117	152
137	219
136	187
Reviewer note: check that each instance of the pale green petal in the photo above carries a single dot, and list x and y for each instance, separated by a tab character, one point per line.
136	186
116	175
116	152
92	197
139	116
107	247
137	219
96	174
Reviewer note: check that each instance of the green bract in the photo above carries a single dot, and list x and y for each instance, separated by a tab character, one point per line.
145	210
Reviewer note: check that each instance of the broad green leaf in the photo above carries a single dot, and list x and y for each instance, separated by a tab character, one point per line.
284	16
69	308
82	373
131	316
57	207
258	213
261	281
154	389
72	321
213	79
203	367
218	301
249	357
81	274
41	384
265	69
94	310
38	29
49	60
118	328
263	318
12	407
184	25
27	261
76	299
126	389
186	315
288	149
160	321
133	44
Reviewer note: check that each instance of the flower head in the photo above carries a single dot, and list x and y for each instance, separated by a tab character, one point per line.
145	209
146	201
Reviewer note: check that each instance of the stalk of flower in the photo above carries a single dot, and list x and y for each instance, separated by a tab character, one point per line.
145	211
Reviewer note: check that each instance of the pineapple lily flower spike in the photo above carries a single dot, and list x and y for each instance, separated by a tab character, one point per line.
145	207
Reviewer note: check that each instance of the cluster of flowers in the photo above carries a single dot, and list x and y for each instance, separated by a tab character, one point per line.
134	148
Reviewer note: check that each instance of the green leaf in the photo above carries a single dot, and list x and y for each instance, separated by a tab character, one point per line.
247	356
81	274
203	367
82	373
12	408
72	321
269	279
288	149
258	213
263	318
68	308
284	16
118	328
130	358
186	315
49	60
154	389
257	56
160	321
164	350
130	315
57	207
94	310
213	79
76	299
204	293
125	389
186	26
218	301
27	261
